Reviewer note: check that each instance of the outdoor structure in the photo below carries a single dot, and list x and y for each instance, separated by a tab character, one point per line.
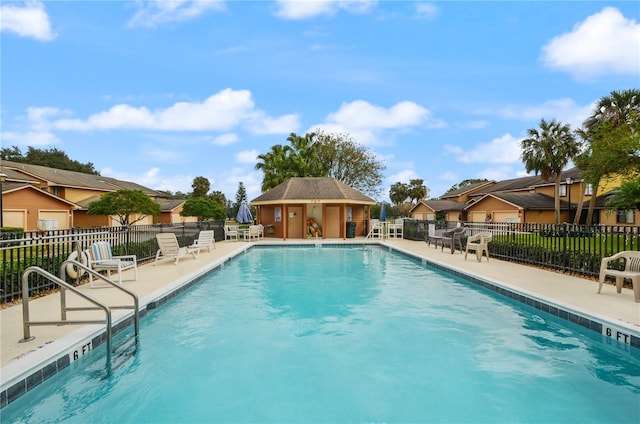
24	206
75	190
310	206
427	210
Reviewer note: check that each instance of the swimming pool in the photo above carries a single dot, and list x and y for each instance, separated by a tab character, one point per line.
336	334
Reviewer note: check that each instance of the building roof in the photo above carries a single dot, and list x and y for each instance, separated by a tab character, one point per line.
10	187
312	189
168	205
523	183
73	179
527	201
441	205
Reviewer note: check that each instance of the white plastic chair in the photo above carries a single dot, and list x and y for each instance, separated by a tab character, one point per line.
168	248
231	232
631	271
206	238
479	244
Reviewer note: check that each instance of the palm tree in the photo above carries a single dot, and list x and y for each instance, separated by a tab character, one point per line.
610	146
275	166
547	151
626	197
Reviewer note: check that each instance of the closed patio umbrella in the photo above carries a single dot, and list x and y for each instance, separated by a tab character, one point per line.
244	214
383	212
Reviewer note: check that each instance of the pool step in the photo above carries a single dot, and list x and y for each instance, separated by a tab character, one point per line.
124	351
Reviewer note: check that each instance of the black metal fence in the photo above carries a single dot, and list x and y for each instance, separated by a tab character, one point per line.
574	249
49	249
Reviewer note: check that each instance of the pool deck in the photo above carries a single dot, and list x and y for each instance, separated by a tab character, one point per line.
154	282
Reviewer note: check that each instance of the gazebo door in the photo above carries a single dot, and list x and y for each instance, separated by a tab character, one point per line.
294	222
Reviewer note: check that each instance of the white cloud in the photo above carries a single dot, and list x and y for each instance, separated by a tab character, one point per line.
403	176
449	176
605	43
154	178
220	112
225	139
247	156
304	9
29	138
426	10
150	14
361	114
498	173
564	110
505	149
30	20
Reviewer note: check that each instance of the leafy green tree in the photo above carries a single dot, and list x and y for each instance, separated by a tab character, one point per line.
218	197
204	208
399	193
612	136
275	166
547	151
52	158
200	187
349	162
626	197
241	196
417	190
322	154
124	204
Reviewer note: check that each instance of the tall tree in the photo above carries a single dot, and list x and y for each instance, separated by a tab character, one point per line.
547	151
200	186
322	154
125	204
399	193
275	166
203	207
417	190
241	196
625	197
347	161
612	136
52	158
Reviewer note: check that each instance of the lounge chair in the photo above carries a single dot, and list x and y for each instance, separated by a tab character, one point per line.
231	232
168	247
452	238
101	258
478	243
206	238
631	271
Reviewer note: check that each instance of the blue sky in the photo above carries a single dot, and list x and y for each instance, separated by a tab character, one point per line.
162	92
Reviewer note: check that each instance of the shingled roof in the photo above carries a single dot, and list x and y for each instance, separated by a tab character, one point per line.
307	189
74	179
526	201
441	205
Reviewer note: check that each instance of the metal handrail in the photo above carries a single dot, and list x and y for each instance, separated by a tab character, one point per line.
25	307
63	304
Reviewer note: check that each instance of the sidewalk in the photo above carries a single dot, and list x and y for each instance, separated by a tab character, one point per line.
154	282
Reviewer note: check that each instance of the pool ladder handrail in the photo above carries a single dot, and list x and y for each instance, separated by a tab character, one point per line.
60	281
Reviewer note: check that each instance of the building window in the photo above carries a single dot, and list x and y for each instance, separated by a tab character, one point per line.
563	190
624	216
588	190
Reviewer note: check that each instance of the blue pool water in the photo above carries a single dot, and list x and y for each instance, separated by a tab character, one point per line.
345	335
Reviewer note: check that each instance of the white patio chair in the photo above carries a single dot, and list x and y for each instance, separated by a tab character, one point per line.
631	271
376	230
231	232
101	258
